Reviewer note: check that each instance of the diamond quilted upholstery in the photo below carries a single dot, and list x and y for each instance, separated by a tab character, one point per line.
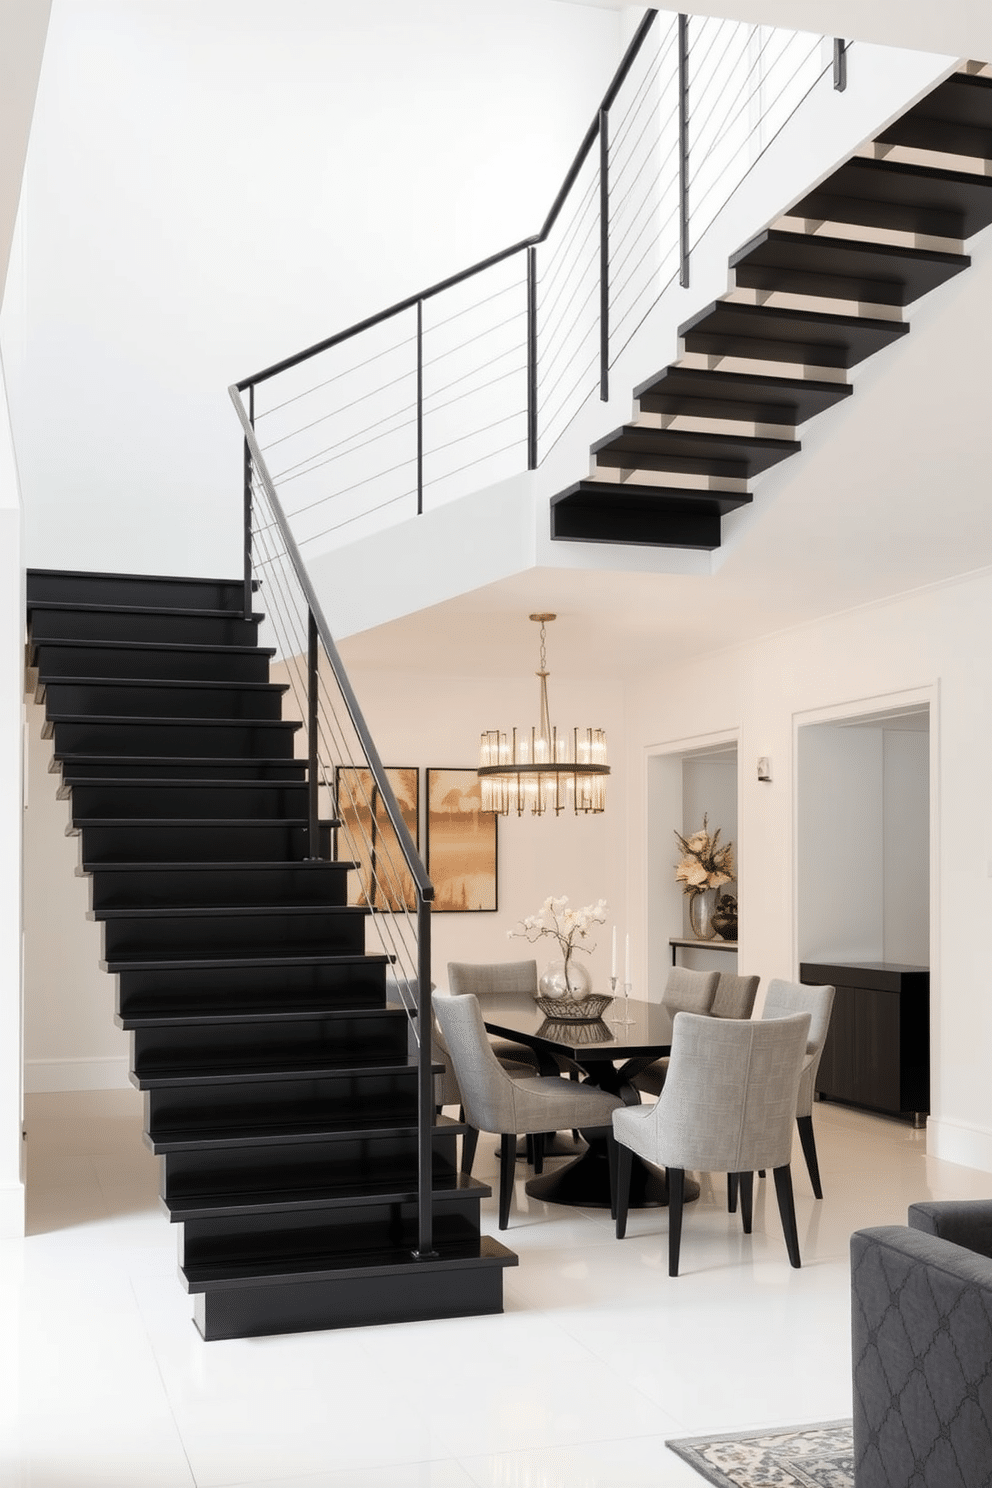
922	1361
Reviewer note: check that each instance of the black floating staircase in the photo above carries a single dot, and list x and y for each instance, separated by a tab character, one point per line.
754	363
279	1089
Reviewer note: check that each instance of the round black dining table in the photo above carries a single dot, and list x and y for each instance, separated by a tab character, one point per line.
628	1029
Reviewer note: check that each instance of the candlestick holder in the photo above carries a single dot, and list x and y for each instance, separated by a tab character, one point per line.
622	1013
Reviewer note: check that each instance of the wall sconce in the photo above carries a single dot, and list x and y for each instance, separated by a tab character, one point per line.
764	767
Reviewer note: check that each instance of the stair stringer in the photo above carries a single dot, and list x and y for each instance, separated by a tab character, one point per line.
503	530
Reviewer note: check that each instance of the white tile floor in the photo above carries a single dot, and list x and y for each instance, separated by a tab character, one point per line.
599	1357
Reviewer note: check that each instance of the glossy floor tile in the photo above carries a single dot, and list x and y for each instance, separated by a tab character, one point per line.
599	1357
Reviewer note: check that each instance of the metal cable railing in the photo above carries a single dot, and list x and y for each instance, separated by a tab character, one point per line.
476	378
354	814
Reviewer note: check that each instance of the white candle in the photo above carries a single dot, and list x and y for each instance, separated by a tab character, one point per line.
613	958
626	962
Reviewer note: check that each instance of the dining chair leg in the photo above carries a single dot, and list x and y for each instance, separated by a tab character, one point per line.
805	1125
625	1159
470	1141
537	1141
732	1187
507	1174
787	1209
676	1195
746	1184
611	1153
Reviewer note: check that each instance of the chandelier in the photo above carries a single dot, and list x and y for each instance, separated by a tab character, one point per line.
543	770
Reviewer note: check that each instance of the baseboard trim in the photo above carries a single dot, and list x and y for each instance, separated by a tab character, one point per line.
47	1076
968	1146
12	1212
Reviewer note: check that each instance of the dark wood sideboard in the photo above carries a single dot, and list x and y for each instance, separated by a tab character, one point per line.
877	1053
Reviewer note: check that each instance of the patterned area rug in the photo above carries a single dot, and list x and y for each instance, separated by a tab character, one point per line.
818	1456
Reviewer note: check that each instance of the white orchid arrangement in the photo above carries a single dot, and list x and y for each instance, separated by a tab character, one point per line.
705	864
567	926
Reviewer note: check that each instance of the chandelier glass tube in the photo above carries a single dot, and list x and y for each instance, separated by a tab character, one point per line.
542	769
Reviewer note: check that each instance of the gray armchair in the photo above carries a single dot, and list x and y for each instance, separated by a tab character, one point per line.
496	1102
921	1314
727	1106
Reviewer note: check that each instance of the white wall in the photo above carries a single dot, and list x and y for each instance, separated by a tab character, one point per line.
212	187
863	844
70	1039
906	816
11	729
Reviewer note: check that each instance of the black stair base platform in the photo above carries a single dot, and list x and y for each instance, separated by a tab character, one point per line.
669	516
460	1285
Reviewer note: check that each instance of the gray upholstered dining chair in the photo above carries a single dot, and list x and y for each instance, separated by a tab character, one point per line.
495	1101
686	991
783	1000
730	1096
490	979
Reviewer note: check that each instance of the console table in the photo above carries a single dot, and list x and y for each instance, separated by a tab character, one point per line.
693	944
877	1052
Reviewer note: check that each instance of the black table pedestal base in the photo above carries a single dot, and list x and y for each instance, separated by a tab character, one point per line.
585	1183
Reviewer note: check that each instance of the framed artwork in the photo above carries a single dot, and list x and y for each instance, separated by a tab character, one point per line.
367	836
461	842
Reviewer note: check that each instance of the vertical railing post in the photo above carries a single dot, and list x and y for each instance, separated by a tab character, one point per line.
420	407
532	357
247	500
425	1088
684	151
313	777
840	64
604	255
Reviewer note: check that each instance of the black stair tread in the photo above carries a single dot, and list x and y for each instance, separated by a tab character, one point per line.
246	1007
875	272
181	720
909	198
99	575
657	447
236	865
630	490
197	648
266	1066
87	607
159	684
955	118
822	338
391	1013
223	911
460	1254
269	1132
86	768
401	1187
198	821
354	958
759	397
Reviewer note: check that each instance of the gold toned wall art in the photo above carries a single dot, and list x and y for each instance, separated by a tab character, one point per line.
381	880
461	842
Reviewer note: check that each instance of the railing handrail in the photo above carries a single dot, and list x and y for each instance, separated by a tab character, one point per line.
414	862
592	133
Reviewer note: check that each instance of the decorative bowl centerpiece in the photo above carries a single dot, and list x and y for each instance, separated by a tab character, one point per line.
575	1009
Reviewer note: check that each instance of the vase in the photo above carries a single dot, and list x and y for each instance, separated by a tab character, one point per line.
701	906
551	983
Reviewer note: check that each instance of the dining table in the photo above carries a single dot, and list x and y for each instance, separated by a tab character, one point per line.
628	1029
